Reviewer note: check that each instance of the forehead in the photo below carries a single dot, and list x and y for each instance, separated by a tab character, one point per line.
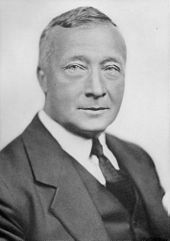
91	41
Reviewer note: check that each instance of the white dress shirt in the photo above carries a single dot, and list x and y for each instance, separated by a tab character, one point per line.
78	147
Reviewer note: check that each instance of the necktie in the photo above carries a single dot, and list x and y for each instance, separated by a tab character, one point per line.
117	181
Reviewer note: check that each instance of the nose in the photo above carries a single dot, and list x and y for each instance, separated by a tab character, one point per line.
95	86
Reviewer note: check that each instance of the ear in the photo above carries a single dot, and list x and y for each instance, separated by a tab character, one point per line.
42	79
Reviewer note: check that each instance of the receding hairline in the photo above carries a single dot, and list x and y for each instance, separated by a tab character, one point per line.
82	17
77	17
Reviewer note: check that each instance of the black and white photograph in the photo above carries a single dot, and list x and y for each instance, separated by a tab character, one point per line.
84	120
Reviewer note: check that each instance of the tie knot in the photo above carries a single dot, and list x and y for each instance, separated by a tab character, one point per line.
97	148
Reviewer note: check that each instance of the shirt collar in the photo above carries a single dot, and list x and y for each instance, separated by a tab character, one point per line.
79	148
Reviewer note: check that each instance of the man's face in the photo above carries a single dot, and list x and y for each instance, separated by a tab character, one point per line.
85	78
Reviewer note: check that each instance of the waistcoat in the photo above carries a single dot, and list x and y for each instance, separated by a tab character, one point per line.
118	222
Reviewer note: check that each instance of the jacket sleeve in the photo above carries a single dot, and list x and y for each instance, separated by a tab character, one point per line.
10	225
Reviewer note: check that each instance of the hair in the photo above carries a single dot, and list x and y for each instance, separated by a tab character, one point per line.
70	19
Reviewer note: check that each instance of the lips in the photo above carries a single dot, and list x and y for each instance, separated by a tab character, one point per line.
94	108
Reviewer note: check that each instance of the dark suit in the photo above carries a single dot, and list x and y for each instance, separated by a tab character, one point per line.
42	197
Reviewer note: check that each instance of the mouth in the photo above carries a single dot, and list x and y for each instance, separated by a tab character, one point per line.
94	110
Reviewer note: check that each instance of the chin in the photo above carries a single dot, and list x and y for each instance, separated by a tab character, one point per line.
87	131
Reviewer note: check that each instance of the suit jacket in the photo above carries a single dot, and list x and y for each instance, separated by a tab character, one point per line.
42	197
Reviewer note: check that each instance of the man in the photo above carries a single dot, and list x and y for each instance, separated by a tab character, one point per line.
63	178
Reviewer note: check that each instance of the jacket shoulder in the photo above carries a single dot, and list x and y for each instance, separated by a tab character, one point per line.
129	149
14	161
12	150
134	158
13	155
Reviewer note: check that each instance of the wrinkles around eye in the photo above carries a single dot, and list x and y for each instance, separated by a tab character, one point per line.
75	67
112	68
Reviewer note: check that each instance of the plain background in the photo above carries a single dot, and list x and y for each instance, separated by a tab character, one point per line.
144	117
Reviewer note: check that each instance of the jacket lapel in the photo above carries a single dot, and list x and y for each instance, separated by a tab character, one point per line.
141	169
71	204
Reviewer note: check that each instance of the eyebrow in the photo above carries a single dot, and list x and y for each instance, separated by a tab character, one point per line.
111	59
106	59
78	57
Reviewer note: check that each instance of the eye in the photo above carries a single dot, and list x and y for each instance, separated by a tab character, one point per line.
74	68
112	68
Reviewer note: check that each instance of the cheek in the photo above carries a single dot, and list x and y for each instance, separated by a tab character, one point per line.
117	91
63	96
